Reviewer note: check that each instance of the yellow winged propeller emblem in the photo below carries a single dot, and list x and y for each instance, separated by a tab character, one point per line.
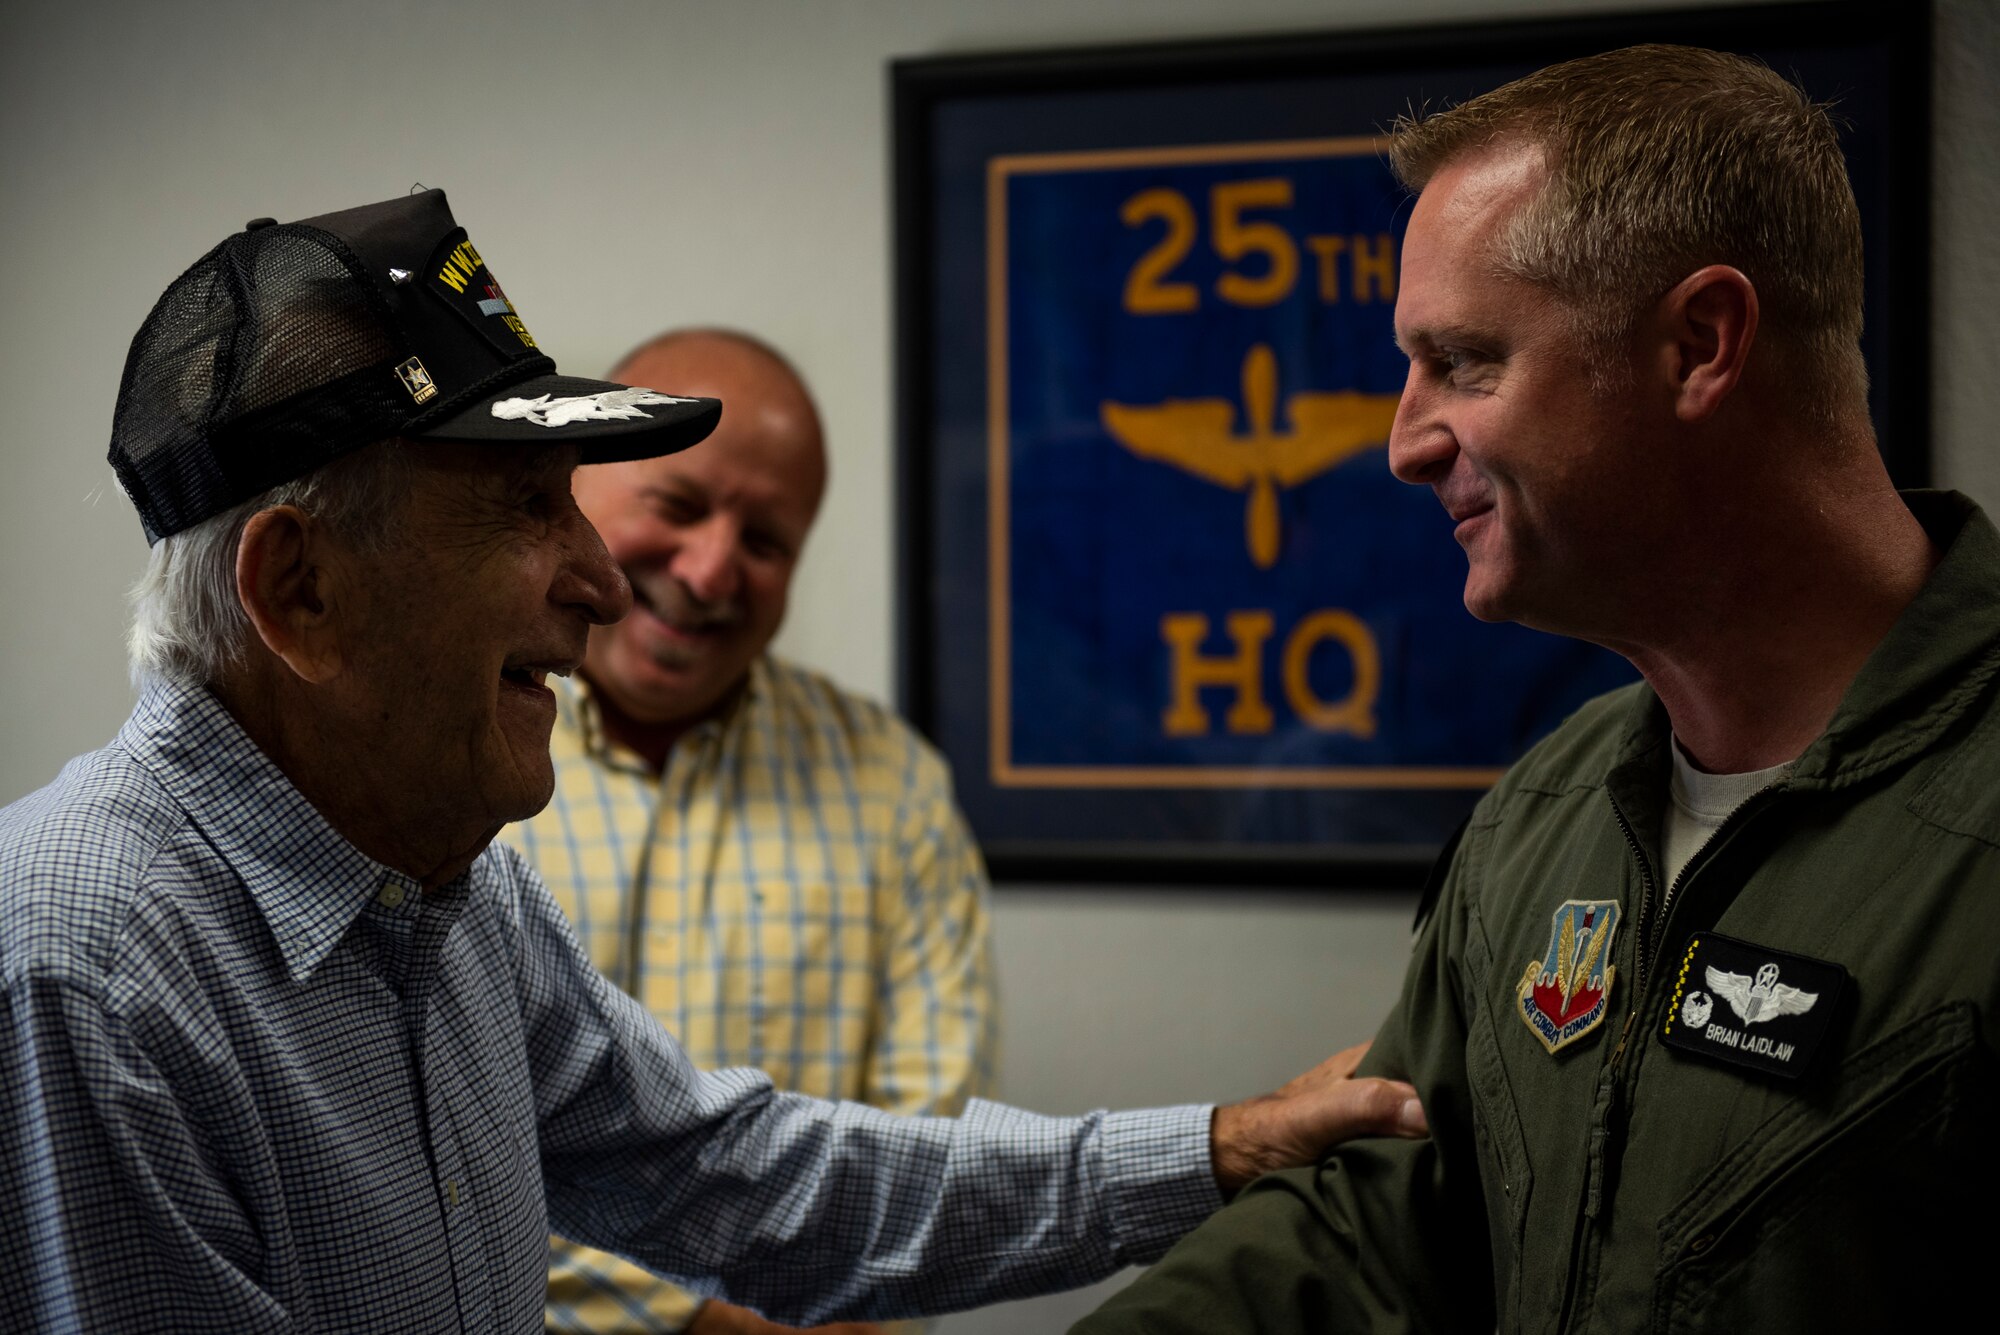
1196	435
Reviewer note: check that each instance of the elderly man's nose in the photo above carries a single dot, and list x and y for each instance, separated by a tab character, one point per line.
591	581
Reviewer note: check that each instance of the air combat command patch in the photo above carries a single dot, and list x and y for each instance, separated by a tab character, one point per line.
1562	996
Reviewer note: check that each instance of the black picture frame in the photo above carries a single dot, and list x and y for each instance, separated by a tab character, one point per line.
951	111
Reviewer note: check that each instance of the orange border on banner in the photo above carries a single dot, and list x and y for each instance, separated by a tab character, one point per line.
1005	773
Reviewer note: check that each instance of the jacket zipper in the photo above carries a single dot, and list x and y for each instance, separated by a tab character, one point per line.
1643	955
1648	951
1611	1090
1612	1095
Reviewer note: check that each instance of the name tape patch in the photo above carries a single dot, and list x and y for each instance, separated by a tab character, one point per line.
1750	1005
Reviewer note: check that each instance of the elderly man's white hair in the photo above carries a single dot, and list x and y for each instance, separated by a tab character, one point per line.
188	625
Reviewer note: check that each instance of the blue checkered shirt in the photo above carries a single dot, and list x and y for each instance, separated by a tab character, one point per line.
252	1081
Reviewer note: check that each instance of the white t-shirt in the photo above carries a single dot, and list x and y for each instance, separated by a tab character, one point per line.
1700	802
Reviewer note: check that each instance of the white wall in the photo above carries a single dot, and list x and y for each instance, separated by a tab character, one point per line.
628	166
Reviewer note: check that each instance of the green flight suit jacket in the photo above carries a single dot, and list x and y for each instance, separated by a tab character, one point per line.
1619	1184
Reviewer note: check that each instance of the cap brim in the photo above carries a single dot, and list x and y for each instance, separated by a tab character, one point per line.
612	422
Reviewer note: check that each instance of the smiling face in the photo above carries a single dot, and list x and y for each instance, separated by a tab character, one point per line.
708	537
1542	473
493	581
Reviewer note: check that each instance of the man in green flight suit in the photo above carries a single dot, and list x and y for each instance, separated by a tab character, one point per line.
1703	1008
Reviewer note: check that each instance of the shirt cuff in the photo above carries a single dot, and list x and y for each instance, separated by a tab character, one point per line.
1159	1177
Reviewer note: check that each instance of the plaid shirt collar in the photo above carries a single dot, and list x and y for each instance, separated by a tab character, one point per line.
307	881
578	710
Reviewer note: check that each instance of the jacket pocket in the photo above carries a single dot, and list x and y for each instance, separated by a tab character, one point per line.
1497	1132
1860	1207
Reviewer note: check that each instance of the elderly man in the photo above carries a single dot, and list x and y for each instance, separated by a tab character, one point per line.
288	1045
1705	1011
773	866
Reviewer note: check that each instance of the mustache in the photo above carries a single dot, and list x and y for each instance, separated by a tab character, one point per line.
676	604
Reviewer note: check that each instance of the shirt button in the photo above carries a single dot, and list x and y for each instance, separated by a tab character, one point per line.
451	1190
391	896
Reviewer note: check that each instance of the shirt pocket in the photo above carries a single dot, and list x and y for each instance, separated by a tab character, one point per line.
808	974
1861	1206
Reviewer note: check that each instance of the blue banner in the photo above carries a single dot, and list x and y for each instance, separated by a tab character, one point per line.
1204	573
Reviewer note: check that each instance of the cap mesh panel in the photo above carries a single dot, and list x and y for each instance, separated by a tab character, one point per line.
266	360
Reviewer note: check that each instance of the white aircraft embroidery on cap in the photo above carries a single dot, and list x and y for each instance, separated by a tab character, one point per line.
608	406
1764	999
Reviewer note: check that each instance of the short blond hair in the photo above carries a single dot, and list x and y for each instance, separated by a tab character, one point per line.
1663	159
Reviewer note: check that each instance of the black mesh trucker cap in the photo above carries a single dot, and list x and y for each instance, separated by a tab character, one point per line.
289	345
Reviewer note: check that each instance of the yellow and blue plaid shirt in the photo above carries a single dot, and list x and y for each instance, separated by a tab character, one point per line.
796	892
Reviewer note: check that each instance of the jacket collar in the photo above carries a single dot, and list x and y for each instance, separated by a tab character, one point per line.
1937	659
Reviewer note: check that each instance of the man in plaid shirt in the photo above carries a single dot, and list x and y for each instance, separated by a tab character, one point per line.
773	866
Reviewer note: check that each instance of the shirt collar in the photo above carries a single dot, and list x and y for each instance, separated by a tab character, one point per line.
307	881
577	710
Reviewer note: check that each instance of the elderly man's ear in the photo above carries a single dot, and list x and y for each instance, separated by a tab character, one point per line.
287	579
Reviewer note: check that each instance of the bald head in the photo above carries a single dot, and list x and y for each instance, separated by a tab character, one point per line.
708	537
759	389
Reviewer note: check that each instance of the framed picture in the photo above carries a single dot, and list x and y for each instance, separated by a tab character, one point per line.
1162	605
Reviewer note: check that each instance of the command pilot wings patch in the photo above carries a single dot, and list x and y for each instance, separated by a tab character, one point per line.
1563	995
1764	998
